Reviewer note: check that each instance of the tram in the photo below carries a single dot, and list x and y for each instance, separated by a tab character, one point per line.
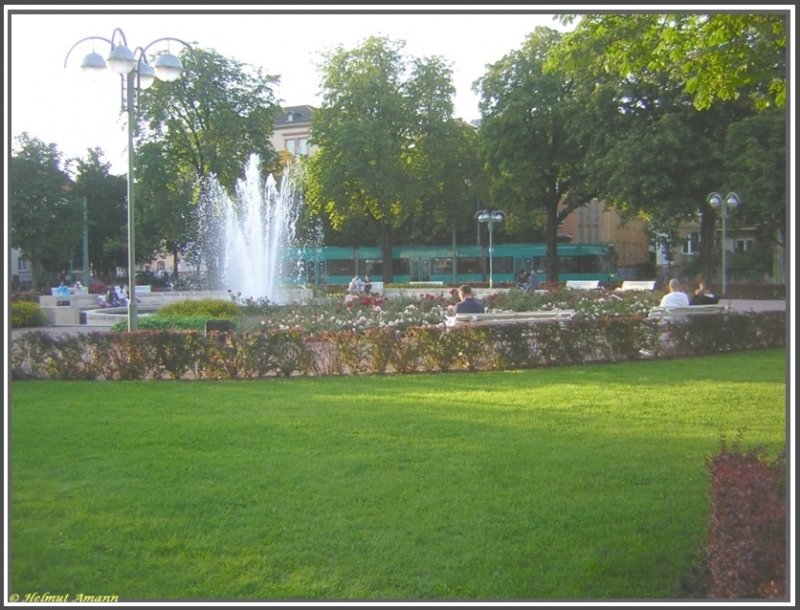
333	265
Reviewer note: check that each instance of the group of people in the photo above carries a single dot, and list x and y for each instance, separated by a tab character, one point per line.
527	280
357	286
117	296
677	298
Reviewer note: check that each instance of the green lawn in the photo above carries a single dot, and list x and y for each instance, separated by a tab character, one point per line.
573	483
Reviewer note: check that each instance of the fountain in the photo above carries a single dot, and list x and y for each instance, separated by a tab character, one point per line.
259	225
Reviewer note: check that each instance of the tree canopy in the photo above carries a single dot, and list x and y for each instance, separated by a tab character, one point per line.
44	215
712	56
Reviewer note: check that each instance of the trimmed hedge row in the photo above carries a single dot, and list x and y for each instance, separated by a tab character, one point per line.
173	354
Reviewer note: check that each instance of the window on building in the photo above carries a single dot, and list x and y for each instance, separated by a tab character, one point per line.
290	146
691	244
23	265
743	245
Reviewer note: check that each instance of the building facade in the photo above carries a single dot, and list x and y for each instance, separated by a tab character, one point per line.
598	223
292	130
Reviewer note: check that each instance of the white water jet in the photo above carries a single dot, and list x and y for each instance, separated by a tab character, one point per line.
259	227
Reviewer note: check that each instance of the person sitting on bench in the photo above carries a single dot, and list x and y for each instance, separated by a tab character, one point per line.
468	303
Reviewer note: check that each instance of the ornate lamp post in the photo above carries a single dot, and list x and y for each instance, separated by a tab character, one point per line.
135	75
490	217
731	200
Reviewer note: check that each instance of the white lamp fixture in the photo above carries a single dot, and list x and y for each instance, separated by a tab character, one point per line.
121	60
93	63
168	67
146	75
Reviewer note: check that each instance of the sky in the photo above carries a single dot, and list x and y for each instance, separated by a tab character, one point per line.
59	104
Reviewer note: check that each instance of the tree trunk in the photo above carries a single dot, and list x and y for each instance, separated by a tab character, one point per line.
175	258
552	242
386	253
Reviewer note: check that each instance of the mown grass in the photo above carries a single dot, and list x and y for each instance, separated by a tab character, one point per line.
574	483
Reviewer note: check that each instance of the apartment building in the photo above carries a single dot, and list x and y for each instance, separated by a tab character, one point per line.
599	223
292	131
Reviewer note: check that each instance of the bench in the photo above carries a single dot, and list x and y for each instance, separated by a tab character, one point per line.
637	285
508	317
376	288
583	284
677	313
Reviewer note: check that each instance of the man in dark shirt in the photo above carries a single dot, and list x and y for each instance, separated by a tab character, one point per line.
702	296
467	304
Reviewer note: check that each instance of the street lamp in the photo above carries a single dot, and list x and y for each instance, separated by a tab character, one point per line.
731	200
490	217
135	75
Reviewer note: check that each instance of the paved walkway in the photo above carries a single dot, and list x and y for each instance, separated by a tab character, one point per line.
736	304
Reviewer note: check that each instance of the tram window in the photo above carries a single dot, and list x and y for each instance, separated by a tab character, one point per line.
292	268
401	266
372	266
580	264
441	266
503	264
469	264
340	267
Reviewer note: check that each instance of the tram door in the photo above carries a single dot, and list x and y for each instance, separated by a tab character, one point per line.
420	269
312	274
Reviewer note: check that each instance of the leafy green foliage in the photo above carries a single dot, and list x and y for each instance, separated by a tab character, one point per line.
106	215
211	308
379	124
26	313
528	146
44	218
712	57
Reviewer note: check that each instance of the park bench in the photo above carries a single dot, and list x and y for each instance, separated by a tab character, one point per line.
376	288
637	285
583	284
684	312
508	317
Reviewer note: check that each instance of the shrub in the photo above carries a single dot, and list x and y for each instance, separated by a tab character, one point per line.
747	530
210	308
26	314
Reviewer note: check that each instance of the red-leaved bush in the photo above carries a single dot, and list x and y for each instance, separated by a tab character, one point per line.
747	532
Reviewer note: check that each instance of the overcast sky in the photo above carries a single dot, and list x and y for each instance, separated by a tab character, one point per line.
59	104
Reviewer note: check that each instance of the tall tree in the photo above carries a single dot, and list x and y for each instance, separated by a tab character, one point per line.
45	217
534	161
378	108
105	197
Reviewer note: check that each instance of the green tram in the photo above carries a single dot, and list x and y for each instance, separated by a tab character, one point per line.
335	265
